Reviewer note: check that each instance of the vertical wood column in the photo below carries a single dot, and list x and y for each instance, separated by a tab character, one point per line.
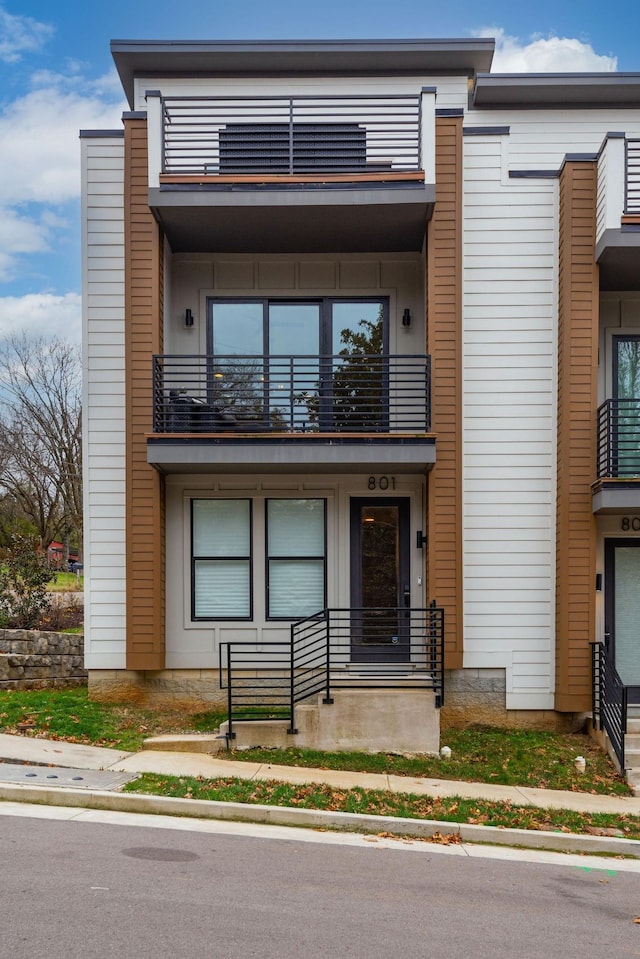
444	343
143	338
578	298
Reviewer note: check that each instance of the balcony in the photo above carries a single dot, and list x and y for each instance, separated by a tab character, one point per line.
618	217
282	173
618	456
314	413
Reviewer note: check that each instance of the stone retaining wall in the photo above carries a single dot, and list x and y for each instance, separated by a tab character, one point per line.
30	659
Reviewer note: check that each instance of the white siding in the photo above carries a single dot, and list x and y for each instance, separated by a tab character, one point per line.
509	421
510	351
103	400
451	91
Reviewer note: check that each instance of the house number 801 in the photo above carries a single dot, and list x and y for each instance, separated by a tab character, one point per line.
382	482
630	522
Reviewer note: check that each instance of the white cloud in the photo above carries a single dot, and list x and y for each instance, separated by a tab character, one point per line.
39	136
545	54
42	314
21	235
20	35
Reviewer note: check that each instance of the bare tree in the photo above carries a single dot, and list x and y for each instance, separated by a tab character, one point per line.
40	434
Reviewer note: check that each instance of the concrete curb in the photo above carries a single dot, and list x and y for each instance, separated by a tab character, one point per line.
316	819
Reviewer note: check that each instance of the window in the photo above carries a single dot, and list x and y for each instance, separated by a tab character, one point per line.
301	365
295	558
221	559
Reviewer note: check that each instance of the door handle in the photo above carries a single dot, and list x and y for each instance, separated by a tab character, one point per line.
406	595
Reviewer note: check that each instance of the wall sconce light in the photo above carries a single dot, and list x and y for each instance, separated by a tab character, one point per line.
188	318
598	582
406	318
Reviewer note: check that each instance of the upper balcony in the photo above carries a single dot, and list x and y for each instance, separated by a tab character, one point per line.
352	173
302	413
618	216
617	487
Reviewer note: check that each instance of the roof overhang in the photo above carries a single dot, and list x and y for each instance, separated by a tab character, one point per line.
616	496
556	90
306	220
618	256
163	58
294	454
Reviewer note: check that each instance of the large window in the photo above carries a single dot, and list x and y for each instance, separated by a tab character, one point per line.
295	557
293	533
300	365
221	559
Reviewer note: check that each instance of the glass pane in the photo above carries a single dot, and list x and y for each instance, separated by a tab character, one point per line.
627	613
357	327
238	329
294	336
627	414
358	385
296	587
237	384
294	329
380	541
295	527
222	589
379	544
221	527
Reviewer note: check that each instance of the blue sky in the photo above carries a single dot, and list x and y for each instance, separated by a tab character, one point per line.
57	76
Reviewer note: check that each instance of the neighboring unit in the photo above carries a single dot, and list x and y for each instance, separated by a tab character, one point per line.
362	395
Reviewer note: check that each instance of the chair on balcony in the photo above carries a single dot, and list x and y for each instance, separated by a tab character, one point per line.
190	414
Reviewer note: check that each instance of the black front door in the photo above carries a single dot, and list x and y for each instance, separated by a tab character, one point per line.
622	609
380	581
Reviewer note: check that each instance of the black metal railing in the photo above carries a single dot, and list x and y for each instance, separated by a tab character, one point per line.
610	699
334	649
619	438
291	134
632	176
334	394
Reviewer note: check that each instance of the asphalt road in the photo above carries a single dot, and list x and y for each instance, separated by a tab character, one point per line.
80	889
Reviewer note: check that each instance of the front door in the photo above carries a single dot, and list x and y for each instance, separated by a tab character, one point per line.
622	607
380	581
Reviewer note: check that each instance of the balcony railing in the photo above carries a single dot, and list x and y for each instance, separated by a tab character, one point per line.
632	176
275	135
291	394
619	439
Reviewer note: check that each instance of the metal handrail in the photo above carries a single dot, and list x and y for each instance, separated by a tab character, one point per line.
291	134
610	700
333	649
287	394
632	176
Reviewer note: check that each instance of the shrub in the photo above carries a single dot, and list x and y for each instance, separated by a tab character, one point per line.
24	574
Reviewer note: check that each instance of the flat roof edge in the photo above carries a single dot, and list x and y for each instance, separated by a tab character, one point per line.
465	56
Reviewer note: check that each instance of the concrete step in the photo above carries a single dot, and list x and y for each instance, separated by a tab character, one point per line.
633	725
187	743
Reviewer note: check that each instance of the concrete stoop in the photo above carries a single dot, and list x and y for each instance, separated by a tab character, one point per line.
359	720
632	752
364	720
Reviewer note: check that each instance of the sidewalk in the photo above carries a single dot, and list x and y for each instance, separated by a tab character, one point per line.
22	749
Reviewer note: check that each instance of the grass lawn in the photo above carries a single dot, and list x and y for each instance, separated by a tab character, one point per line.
70	715
511	757
382	803
515	757
66	583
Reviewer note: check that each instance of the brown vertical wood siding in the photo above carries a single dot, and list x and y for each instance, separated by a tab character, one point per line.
143	338
444	343
578	297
